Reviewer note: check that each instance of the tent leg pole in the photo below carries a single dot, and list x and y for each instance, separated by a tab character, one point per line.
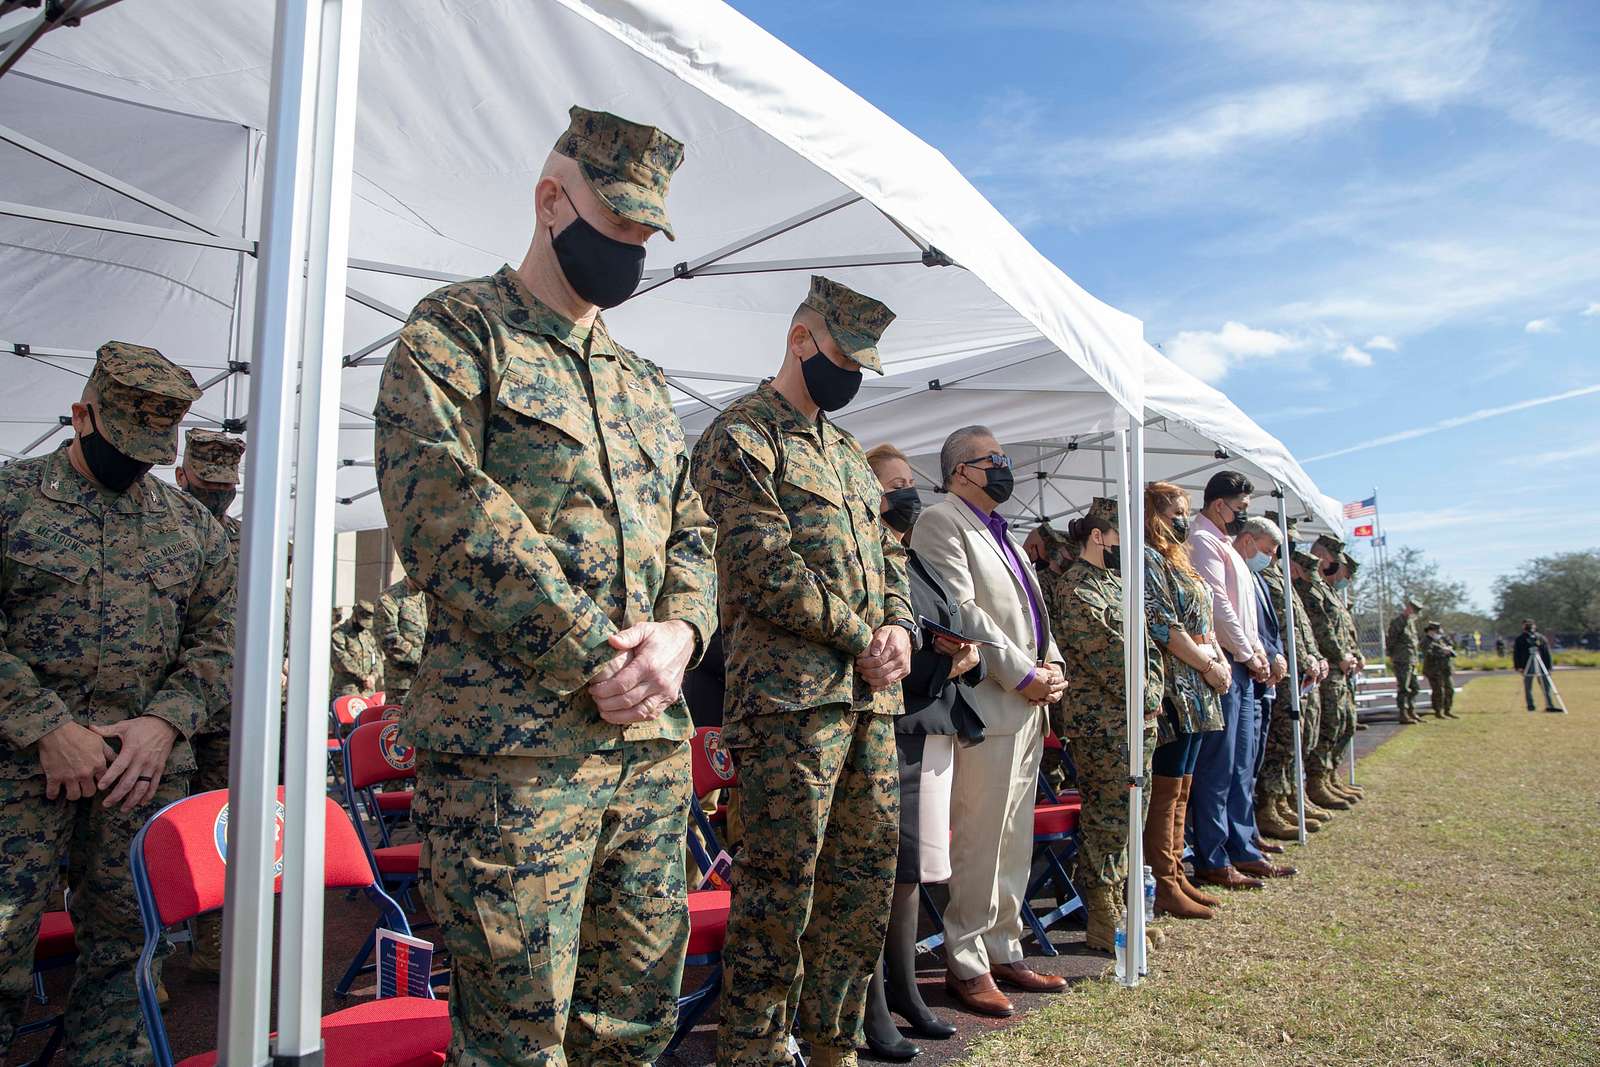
1130	520
1293	679
244	1011
322	339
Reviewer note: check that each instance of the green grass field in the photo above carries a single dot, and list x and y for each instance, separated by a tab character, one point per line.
1490	662
1453	918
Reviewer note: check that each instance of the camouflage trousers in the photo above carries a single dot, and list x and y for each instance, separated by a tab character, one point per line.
1337	725
557	883
812	880
103	1022
211	762
1277	770
1405	686
1441	691
1102	763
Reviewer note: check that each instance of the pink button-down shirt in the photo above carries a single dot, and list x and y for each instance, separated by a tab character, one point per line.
1233	588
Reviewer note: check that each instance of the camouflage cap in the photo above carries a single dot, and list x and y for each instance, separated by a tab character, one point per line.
1052	537
855	322
363	609
1332	544
1350	564
1431	625
1306	560
143	397
213	456
1411	602
1104	507
1294	524
627	165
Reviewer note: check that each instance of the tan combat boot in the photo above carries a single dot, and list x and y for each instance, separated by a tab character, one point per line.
1271	823
1102	913
1317	790
206	959
827	1056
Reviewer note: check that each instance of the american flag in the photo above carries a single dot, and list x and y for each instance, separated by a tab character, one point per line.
1361	508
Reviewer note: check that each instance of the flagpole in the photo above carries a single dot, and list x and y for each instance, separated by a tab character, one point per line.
1382	599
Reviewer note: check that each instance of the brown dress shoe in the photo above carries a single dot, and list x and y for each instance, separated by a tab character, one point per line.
1263	869
1226	878
1268	847
1020	976
980	995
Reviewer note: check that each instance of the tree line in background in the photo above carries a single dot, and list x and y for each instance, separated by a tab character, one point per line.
1561	592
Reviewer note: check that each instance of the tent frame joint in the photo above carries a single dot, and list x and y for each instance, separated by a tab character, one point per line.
932	257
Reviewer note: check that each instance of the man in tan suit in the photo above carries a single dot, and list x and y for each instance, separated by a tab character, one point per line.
964	539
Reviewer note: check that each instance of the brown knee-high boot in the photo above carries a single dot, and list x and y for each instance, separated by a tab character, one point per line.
1161	854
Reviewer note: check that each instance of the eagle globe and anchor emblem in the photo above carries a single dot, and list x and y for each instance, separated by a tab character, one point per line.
219	832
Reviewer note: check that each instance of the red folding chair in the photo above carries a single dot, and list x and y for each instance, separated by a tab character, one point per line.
1055	843
708	908
373	755
377	713
389	807
56	947
179	863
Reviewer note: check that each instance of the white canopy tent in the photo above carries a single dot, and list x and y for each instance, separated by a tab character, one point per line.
426	175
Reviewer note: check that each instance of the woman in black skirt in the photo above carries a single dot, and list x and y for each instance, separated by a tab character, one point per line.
936	719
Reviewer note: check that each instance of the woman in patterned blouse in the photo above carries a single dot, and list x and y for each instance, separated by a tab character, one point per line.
1178	610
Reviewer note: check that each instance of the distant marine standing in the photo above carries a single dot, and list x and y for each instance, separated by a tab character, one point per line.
1438	664
355	661
402	633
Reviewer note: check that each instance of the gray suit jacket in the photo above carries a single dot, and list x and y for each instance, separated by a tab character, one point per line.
957	546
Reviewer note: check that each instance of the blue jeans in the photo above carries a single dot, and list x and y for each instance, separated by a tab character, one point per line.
1222	804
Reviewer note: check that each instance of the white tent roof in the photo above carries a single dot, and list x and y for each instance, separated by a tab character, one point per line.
452	131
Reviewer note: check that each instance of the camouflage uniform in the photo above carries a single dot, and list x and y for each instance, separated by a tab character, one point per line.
808	573
402	631
534	478
1086	617
214	457
1438	663
112	606
1401	644
1323	615
1352	643
355	655
1277	771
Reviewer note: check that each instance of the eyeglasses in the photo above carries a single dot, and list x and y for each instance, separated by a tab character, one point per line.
994	459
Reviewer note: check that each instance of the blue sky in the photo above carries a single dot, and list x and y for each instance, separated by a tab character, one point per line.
1358	220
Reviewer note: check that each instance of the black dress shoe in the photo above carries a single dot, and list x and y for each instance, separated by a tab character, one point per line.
923	1023
899	1050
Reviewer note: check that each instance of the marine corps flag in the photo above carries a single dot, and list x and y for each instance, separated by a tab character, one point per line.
1364	530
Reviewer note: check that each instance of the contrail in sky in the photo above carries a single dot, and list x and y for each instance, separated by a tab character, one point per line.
1458	420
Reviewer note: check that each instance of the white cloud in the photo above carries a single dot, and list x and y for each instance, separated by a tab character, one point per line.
1387	344
1591	310
1457	420
1210	354
1542	326
1355	356
1566	455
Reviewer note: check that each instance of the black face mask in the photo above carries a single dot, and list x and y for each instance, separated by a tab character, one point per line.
1329	570
998	483
904	507
1180	527
215	501
111	467
1235	525
830	385
1113	557
600	269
